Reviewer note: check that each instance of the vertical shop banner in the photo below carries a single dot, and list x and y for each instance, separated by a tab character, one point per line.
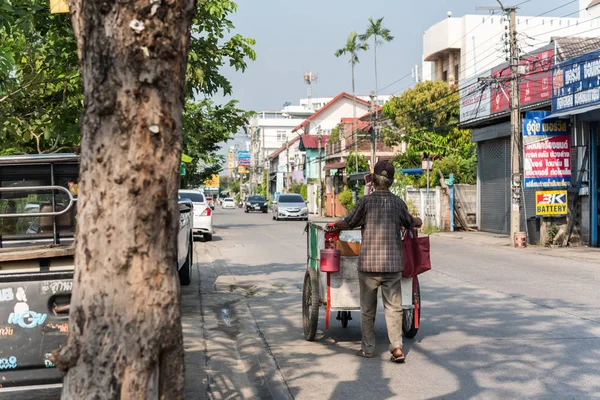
501	90
546	151
230	161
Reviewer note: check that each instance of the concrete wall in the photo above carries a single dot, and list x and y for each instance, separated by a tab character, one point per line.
428	205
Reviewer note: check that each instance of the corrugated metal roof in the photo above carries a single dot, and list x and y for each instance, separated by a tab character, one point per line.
312	141
570	47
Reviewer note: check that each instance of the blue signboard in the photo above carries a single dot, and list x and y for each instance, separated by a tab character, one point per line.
243	158
546	151
576	82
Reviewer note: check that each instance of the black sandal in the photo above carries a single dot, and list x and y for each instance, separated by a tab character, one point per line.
400	359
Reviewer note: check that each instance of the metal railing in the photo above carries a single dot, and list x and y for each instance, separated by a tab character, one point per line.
29	189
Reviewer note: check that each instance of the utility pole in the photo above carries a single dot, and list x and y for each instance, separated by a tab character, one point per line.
515	124
373	131
515	120
319	139
287	154
354	122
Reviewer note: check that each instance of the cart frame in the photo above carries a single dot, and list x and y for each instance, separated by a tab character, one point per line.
339	291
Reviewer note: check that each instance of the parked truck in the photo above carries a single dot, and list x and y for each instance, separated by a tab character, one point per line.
38	197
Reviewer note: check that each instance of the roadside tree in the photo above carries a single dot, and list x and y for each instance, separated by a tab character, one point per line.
41	96
426	119
351	49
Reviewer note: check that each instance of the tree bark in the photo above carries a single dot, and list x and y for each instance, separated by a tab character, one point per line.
125	323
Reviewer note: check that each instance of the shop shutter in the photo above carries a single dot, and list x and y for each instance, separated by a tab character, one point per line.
494	177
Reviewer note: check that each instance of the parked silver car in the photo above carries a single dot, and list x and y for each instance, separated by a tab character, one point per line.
290	206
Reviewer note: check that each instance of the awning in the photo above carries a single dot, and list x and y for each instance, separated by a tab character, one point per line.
575	111
338	165
412	171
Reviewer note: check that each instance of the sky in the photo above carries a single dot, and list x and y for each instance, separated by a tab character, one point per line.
294	37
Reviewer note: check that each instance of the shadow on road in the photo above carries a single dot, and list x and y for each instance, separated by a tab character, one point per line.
493	345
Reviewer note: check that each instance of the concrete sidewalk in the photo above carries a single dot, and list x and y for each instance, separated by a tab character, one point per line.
584	253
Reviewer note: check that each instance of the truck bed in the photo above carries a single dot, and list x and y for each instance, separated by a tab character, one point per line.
29	253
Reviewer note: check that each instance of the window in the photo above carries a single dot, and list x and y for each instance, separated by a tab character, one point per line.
195	197
290	198
281	136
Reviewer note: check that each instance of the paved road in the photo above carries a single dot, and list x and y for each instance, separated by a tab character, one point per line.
497	323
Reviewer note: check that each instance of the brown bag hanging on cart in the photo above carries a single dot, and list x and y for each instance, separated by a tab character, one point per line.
415	254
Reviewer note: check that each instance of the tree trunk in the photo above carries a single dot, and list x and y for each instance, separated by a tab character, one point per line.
125	323
375	52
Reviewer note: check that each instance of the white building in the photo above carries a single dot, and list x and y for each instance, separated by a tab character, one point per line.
319	102
458	48
330	115
269	130
288	160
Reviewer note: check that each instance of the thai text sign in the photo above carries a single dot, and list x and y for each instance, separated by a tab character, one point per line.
244	158
479	100
474	100
535	85
551	203
576	82
230	161
546	151
212	183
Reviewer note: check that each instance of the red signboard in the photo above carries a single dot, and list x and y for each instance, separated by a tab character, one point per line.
548	158
499	96
535	85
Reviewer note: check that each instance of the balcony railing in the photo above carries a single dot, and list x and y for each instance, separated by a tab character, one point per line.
333	148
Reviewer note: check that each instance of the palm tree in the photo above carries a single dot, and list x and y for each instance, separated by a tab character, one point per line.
379	35
353	46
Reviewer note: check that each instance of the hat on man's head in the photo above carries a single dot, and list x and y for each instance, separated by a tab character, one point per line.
384	168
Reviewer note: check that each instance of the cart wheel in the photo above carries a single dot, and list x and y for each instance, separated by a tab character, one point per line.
310	305
345	317
409	327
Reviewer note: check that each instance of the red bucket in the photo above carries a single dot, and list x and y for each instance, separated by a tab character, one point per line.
330	260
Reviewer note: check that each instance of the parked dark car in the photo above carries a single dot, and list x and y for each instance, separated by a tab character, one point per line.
256	203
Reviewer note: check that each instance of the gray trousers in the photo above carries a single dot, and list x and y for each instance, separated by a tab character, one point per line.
391	293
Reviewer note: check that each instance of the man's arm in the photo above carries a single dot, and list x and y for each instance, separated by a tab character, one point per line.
354	219
407	220
341	225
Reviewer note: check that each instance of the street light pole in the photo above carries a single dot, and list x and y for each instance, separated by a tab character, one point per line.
374	131
287	154
320	138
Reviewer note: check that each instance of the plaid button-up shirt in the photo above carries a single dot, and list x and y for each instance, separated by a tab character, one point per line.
381	216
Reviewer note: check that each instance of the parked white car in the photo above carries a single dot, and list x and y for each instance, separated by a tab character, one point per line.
202	213
228	203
